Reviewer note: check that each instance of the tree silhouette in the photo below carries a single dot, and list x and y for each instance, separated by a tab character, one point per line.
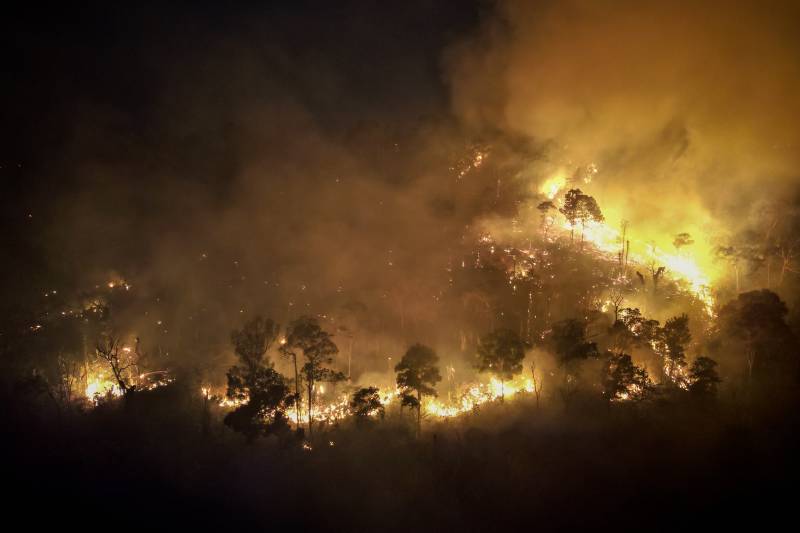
675	336
261	391
417	375
568	341
501	353
623	380
588	211
644	330
632	330
758	318
366	402
108	349
580	207
656	272
616	298
703	377
318	350
536	378
570	209
254	339
266	398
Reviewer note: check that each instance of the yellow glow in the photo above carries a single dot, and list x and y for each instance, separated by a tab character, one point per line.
476	395
693	265
100	385
552	186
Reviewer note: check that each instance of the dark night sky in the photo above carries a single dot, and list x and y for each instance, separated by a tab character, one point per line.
149	88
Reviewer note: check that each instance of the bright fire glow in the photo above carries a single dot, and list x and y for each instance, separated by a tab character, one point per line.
474	395
681	266
693	266
552	186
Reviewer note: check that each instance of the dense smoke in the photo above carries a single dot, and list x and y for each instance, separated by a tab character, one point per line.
687	109
224	174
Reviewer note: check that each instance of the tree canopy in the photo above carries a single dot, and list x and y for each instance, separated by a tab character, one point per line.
417	376
501	353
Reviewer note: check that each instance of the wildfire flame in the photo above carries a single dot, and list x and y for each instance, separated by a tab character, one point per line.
682	266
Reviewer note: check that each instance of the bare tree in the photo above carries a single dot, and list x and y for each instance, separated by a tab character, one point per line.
68	377
108	349
617	297
622	251
657	272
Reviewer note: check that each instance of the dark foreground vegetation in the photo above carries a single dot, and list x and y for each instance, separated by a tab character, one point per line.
604	446
154	461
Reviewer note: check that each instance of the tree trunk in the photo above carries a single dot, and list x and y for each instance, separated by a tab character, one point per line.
419	413
350	358
751	359
310	387
296	391
583	230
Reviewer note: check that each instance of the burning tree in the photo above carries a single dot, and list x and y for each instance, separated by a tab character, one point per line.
366	402
570	209
417	374
580	207
624	380
632	329
318	350
675	335
544	211
644	330
536	379
501	353
108	349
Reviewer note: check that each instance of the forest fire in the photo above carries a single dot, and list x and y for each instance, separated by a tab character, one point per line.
682	266
401	266
473	396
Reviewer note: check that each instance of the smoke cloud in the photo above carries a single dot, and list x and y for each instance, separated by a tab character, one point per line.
687	109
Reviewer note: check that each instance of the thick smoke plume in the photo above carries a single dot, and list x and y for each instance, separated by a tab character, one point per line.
224	173
687	109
